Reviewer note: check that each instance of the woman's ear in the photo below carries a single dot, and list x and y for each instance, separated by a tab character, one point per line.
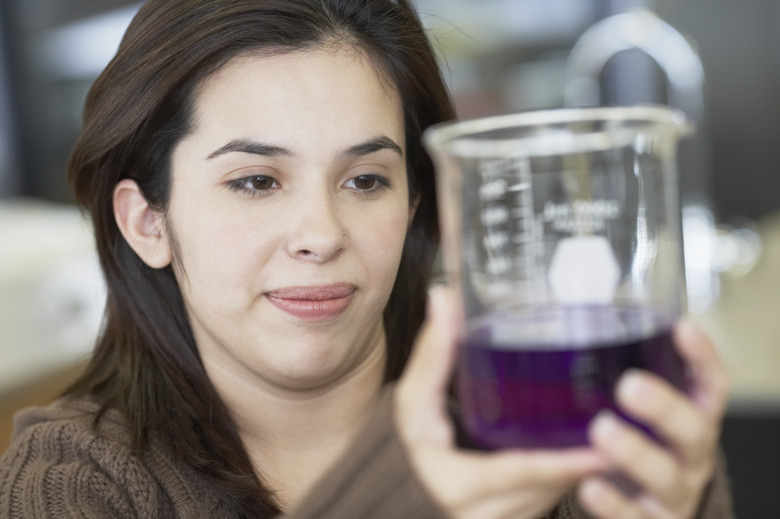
142	227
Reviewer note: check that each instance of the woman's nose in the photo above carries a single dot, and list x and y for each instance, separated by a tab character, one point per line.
316	232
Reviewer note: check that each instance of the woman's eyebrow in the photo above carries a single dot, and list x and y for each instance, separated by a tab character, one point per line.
247	146
373	145
267	150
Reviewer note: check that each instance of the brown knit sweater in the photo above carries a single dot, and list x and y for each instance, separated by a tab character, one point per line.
58	466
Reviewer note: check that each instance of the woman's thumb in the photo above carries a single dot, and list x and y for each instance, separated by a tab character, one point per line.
433	355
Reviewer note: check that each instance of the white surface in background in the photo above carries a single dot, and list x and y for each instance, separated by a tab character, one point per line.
83	49
482	27
52	293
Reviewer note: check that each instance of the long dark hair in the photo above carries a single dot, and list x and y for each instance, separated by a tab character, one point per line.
146	363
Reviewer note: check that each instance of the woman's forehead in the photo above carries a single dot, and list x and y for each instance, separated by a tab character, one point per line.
330	97
275	59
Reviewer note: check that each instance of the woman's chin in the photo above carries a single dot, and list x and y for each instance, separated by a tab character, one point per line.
304	371
318	370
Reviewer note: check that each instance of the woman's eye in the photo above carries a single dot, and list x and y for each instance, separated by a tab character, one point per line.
254	184
368	183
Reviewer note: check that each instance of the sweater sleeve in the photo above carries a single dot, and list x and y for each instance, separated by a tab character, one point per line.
717	502
375	480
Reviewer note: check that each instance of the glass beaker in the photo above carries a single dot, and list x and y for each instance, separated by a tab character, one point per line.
561	234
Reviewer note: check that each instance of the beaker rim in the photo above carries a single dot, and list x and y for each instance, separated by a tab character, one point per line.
469	137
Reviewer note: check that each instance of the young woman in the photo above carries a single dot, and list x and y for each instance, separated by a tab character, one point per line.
266	221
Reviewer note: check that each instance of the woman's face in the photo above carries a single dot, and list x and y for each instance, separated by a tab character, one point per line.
288	213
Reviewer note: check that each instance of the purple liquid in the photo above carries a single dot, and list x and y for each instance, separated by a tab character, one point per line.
520	394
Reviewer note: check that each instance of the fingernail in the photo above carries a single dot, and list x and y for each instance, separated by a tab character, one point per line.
605	425
687	331
435	301
443	308
632	386
592	491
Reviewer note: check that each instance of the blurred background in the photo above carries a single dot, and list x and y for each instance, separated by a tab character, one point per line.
718	60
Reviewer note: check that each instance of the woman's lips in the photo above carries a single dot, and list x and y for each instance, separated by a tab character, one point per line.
313	303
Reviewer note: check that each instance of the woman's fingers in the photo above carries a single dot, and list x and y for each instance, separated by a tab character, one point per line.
472	485
672	472
513	468
675	418
604	501
432	358
502	484
508	471
712	381
689	424
643	461
421	392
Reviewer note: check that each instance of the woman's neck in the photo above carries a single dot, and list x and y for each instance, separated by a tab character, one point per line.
293	436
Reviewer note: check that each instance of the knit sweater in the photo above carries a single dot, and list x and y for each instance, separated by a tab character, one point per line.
59	466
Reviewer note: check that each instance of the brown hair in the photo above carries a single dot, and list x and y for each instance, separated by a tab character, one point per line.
146	362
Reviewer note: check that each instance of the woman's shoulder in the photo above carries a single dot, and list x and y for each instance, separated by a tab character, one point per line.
63	463
72	414
67	431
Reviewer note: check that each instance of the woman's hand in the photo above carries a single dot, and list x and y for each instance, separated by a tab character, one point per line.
672	478
472	485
